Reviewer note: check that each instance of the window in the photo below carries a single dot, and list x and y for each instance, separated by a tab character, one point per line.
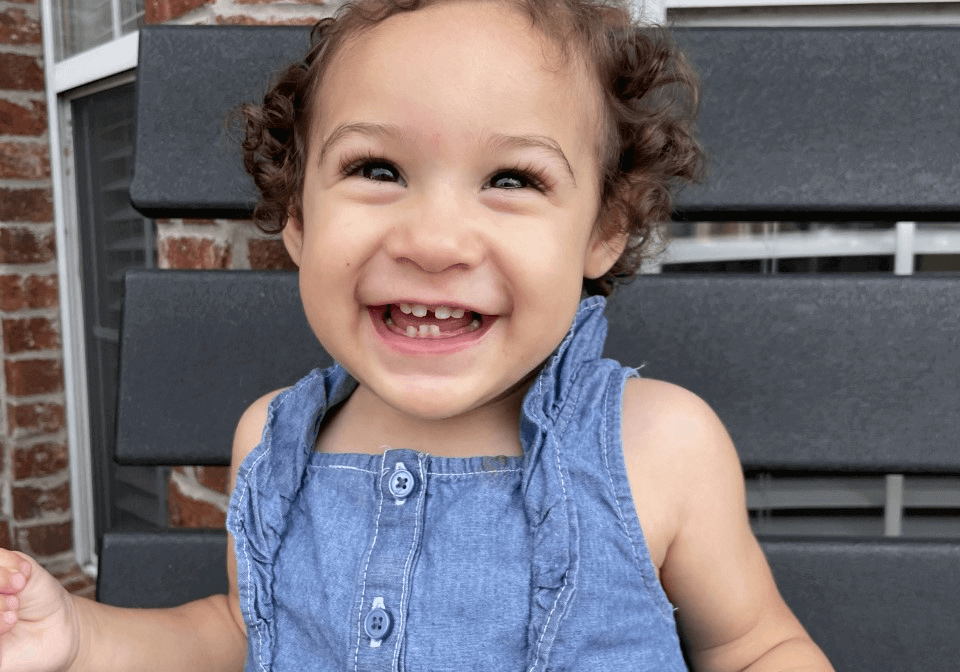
113	237
85	24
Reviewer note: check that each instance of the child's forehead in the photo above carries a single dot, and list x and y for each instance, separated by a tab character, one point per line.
464	39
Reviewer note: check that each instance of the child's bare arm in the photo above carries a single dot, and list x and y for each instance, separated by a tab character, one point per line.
728	606
44	628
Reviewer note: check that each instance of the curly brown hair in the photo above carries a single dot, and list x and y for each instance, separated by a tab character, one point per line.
647	144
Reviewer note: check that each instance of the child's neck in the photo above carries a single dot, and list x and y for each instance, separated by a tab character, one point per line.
364	424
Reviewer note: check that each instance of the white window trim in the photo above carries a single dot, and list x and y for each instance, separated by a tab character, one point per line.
107	65
107	60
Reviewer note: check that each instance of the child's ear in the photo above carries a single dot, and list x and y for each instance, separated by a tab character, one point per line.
603	251
293	238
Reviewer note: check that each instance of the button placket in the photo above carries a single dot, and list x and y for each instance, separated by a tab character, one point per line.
390	561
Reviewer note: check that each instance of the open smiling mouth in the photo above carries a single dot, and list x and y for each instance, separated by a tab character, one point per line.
420	321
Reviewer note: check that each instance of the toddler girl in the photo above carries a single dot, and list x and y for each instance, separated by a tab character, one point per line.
471	487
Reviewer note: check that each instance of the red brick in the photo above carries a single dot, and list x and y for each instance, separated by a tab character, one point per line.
42	291
158	11
33	376
201	222
6	541
20	245
188	512
30	502
269	255
42	459
17	119
26	205
215	478
34	291
16	27
24	161
33	333
42	417
194	253
11	292
20	72
47	539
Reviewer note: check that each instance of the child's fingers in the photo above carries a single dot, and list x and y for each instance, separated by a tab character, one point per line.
15	569
9	606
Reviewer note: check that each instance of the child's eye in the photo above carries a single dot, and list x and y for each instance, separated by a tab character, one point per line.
372	169
517	179
381	172
507	181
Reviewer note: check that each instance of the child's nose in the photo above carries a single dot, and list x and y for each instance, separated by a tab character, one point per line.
437	233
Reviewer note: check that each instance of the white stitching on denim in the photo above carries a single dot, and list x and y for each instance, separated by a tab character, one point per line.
340	466
546	625
246	556
472	473
563	588
366	566
401	621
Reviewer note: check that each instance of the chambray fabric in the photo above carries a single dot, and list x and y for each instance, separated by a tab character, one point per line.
488	564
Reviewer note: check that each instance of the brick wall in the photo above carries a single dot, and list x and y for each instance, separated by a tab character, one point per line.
35	511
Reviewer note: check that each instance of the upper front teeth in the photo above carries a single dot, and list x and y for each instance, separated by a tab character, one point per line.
420	310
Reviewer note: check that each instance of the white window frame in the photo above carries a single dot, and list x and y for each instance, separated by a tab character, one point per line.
105	66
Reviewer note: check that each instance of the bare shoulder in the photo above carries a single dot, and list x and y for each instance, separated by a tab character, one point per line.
676	451
671	428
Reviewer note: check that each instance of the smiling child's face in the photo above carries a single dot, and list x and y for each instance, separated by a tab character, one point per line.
451	168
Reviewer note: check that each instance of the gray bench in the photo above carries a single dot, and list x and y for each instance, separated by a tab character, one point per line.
810	374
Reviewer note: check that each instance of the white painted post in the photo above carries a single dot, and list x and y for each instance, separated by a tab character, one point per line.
903	255
893	509
903	262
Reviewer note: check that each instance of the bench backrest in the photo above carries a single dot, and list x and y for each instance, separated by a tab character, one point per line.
839	373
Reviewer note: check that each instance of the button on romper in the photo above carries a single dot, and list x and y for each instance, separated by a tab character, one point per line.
408	561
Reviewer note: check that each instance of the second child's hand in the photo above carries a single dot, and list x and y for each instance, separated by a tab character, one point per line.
38	621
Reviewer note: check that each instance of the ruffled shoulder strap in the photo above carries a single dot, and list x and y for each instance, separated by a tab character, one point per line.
267	482
548	504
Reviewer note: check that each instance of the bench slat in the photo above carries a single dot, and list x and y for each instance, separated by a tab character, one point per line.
161	568
809	373
197	348
805	123
884	604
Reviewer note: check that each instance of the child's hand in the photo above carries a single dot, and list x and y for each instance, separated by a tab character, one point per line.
38	625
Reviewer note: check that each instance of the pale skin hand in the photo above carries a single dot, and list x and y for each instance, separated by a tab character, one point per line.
38	623
689	494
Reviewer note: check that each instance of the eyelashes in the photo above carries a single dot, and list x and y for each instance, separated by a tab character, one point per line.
377	168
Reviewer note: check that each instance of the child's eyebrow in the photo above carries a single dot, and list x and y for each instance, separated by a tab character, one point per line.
543	142
498	140
389	131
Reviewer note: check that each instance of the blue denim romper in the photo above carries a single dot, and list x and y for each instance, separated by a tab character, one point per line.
407	561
